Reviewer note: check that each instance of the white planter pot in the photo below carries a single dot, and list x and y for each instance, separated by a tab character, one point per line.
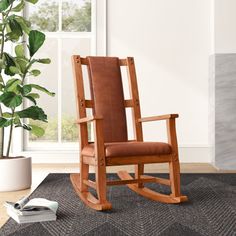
15	173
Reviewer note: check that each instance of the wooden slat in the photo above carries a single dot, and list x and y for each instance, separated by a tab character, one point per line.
138	132
88	119
79	90
129	103
89	103
100	168
144	179
89	160
133	181
90	183
146	192
132	160
123	62
133	87
84	61
158	180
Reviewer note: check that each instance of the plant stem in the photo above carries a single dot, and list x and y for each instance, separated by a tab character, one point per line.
12	123
3	29
2	135
26	70
1	57
10	135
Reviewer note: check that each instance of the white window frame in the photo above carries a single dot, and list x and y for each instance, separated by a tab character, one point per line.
68	152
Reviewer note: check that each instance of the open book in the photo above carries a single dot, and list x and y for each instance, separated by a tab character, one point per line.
34	210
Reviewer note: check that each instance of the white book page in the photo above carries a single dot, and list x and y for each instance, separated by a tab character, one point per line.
41	203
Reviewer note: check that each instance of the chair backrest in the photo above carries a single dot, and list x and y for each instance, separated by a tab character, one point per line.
107	96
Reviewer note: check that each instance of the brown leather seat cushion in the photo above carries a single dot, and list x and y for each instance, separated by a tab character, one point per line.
120	149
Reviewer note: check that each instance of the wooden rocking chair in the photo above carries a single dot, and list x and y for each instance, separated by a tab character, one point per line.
111	146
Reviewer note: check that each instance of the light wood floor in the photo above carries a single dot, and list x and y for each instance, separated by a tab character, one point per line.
40	171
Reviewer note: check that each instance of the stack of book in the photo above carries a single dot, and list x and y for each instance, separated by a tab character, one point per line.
32	210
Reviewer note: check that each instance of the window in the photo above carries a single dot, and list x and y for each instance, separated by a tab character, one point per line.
70	28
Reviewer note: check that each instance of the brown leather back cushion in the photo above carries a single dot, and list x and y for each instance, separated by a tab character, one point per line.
107	93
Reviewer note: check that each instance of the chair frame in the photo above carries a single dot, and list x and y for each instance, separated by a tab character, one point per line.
81	182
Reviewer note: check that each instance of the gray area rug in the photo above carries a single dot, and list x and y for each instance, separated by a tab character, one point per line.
211	210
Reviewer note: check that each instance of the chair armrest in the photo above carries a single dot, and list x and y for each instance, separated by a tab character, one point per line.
88	119
155	118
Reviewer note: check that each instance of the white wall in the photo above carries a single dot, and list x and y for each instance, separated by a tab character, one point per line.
171	42
225	29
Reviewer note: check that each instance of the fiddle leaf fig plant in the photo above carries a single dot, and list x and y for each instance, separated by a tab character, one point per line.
17	72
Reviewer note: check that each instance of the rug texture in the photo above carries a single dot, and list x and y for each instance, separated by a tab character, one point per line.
211	210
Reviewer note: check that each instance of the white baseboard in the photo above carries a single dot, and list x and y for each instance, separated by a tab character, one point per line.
186	155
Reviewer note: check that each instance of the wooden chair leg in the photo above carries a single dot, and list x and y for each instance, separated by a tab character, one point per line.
139	170
175	177
84	174
101	184
88	198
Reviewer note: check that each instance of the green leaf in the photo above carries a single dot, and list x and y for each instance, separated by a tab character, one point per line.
36	40
9	62
15	27
20	51
11	84
7	115
37	131
33	112
10	99
40	88
12	36
35	72
22	63
32	1
17	120
33	95
1	87
25	25
2	65
44	61
5	122
19	7
4	4
14	70
1	79
26	89
31	99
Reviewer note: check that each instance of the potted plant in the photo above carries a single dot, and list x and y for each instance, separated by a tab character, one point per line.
17	86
